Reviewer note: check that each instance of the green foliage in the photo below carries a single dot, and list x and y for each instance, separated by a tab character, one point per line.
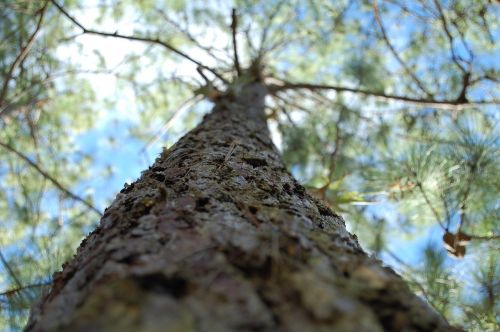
297	142
365	71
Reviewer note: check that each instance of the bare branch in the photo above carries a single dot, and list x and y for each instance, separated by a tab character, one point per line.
483	237
411	12
291	103
288	116
426	198
485	77
336	150
10	270
208	49
137	38
448	34
234	26
248	39
22	54
463	204
190	102
462	96
49	177
265	32
466	72
13	291
443	104
395	53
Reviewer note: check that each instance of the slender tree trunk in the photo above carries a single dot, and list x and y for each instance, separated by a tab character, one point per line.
218	236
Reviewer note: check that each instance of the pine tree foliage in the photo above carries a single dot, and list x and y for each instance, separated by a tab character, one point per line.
387	110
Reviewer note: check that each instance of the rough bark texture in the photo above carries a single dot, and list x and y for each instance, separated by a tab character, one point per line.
218	236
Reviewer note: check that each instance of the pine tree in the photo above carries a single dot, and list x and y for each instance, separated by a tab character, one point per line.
218	236
403	143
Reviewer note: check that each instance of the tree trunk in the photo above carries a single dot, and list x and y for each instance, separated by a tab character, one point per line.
218	236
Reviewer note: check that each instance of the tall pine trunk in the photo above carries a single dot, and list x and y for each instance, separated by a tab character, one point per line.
218	236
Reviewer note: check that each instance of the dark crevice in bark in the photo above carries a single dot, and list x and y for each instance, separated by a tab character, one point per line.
159	283
255	162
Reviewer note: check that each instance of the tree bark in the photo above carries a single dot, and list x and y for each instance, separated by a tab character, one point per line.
218	236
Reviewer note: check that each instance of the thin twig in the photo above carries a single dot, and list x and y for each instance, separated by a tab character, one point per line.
49	177
422	18
288	116
22	54
482	237
395	53
448	34
10	292
208	49
230	151
10	270
335	153
463	205
265	31
234	27
443	104
177	112
466	72
446	210
137	38
292	104
13	105
427	200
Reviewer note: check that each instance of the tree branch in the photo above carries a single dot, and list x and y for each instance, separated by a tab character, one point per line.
427	200
291	103
335	153
265	31
448	34
208	49
137	38
49	177
234	26
466	72
482	237
395	53
443	104
22	54
10	271
190	102
10	292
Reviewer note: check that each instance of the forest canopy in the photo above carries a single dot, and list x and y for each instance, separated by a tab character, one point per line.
387	110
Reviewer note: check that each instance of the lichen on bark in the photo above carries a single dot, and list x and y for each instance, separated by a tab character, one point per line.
218	236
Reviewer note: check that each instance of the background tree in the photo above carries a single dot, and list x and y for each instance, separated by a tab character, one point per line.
385	109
